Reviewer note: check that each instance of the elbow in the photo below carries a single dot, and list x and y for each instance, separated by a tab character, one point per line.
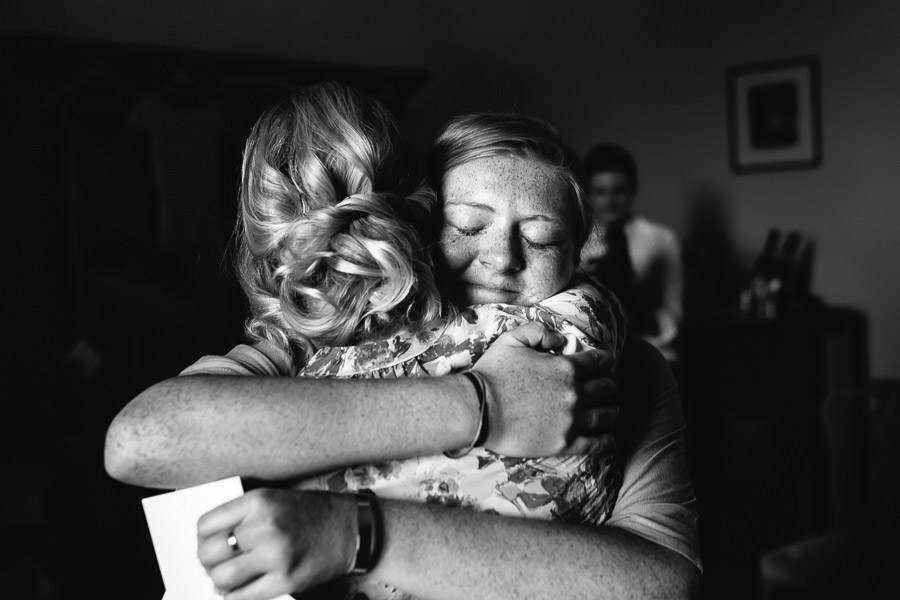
137	445
121	456
686	582
692	591
674	578
677	584
115	461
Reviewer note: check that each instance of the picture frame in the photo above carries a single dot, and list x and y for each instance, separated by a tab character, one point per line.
774	115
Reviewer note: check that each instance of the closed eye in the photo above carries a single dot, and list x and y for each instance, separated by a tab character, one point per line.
536	245
468	231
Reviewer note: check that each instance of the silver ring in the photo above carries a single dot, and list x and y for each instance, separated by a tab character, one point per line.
232	542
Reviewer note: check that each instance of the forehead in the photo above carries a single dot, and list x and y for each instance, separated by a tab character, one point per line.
609	180
505	182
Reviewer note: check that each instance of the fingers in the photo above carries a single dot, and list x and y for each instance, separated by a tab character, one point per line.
598	391
598	420
288	541
236	572
214	549
267	586
533	335
222	518
247	575
594	361
591	444
592	430
218	553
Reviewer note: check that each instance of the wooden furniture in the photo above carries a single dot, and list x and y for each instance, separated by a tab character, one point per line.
856	555
754	392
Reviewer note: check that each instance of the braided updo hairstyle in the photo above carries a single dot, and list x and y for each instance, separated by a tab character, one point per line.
334	224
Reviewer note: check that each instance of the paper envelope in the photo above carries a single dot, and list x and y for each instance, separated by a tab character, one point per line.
172	518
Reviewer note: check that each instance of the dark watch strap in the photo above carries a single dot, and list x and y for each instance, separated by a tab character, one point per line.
369	537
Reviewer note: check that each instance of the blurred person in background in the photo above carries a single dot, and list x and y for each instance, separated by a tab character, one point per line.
638	259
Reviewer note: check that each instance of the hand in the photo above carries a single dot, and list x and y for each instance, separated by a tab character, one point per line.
541	404
288	541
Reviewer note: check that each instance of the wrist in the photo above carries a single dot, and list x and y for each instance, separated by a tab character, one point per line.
369	534
479	384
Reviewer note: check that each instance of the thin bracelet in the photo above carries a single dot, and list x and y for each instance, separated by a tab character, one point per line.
369	535
481	433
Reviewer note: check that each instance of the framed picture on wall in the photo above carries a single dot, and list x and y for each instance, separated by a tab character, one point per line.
774	115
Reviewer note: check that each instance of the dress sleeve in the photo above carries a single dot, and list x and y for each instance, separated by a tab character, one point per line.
656	500
589	308
260	360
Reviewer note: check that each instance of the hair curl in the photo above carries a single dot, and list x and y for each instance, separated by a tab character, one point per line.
334	225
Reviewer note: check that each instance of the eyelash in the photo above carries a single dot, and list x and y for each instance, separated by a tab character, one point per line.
476	231
466	232
535	245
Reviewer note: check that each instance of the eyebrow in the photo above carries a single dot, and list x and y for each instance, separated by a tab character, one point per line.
546	219
479	205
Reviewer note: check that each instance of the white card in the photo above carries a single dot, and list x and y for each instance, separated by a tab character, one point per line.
172	518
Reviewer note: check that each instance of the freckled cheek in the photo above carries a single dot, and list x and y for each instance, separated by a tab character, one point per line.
456	250
550	274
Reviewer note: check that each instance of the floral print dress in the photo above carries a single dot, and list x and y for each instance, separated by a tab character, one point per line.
575	489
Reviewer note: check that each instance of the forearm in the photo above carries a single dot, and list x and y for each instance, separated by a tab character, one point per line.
188	430
442	553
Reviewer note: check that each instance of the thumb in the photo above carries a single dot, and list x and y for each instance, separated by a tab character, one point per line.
533	335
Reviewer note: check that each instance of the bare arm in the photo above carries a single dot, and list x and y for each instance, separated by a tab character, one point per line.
648	548
428	547
189	430
432	552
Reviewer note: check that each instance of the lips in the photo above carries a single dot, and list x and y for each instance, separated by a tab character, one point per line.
483	294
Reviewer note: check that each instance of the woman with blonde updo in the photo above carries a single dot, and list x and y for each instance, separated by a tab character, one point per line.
334	224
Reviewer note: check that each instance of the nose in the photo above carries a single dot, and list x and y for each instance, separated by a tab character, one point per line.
502	252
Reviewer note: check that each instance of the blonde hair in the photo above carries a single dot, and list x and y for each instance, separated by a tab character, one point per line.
486	134
334	225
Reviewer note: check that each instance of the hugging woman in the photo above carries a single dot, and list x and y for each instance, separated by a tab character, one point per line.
507	240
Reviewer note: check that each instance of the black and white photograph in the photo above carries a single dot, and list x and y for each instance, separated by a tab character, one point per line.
450	300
